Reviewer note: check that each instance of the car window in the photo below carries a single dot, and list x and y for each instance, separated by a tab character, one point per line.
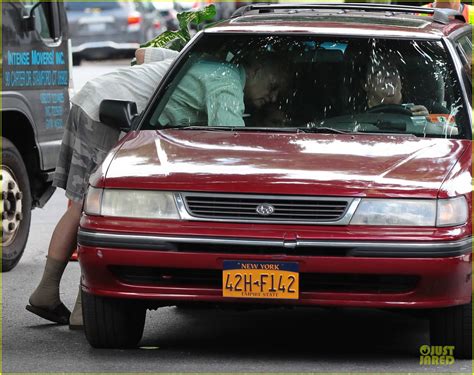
80	6
357	85
464	45
144	6
42	14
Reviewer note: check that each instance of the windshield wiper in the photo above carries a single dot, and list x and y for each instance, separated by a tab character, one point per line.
196	127
322	130
230	128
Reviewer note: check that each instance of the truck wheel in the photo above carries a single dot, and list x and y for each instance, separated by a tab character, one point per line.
453	326
112	323
16	205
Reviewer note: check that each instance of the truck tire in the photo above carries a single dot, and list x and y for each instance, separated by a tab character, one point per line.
453	326
16	205
112	323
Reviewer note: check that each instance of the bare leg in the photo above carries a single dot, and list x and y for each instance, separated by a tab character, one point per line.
64	238
62	245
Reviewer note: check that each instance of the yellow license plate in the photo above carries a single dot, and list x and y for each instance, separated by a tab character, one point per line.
245	279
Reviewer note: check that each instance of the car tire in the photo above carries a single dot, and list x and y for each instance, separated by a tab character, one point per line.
453	326
112	323
17	204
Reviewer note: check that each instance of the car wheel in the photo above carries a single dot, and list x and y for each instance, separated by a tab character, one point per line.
16	203
453	326
112	323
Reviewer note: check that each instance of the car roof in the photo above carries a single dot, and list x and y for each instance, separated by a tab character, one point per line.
339	19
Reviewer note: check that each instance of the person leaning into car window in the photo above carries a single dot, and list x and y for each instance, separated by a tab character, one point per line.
216	93
86	142
383	86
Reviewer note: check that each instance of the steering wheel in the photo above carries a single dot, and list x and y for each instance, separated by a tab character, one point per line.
396	109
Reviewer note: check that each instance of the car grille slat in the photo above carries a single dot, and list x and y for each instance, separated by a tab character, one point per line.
249	207
217	203
217	207
224	212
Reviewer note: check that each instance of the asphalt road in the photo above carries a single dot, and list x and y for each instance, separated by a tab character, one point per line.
190	340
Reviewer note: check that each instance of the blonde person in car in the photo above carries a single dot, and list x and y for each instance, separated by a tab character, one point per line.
85	144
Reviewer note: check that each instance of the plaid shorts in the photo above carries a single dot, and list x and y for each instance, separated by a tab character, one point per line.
84	147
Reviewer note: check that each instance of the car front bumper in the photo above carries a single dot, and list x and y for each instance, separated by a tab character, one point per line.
173	269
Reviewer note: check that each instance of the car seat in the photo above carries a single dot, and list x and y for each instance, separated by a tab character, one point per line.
317	90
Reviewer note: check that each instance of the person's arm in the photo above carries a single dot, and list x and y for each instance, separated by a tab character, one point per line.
152	54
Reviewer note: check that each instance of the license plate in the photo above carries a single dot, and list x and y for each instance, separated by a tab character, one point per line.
246	279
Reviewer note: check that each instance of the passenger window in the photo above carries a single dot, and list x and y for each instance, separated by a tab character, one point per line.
47	22
465	43
464	48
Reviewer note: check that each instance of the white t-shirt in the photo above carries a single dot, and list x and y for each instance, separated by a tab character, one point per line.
135	83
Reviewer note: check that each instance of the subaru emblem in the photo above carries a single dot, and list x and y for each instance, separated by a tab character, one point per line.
265	209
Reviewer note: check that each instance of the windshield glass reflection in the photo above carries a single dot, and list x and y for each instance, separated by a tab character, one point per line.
308	84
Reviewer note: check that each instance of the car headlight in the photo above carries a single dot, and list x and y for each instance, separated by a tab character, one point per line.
411	212
396	212
131	203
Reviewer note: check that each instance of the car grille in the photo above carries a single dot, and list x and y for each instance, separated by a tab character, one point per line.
309	282
286	209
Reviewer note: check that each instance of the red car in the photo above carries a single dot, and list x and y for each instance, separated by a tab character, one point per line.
321	197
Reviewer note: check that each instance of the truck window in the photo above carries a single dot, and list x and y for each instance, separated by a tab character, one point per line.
47	21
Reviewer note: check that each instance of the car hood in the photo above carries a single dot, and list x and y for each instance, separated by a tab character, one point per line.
282	163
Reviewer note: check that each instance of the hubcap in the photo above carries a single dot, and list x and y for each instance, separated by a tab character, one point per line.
11	206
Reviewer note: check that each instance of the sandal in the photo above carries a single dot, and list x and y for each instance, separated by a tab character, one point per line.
59	314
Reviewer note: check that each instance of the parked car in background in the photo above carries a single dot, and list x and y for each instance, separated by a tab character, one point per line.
330	197
104	29
224	9
187	5
168	14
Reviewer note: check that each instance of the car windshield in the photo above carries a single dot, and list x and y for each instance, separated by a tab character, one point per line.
314	84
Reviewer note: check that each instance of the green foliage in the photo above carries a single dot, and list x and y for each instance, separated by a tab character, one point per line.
176	40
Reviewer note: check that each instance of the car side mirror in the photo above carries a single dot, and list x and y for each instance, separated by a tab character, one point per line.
118	114
29	19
